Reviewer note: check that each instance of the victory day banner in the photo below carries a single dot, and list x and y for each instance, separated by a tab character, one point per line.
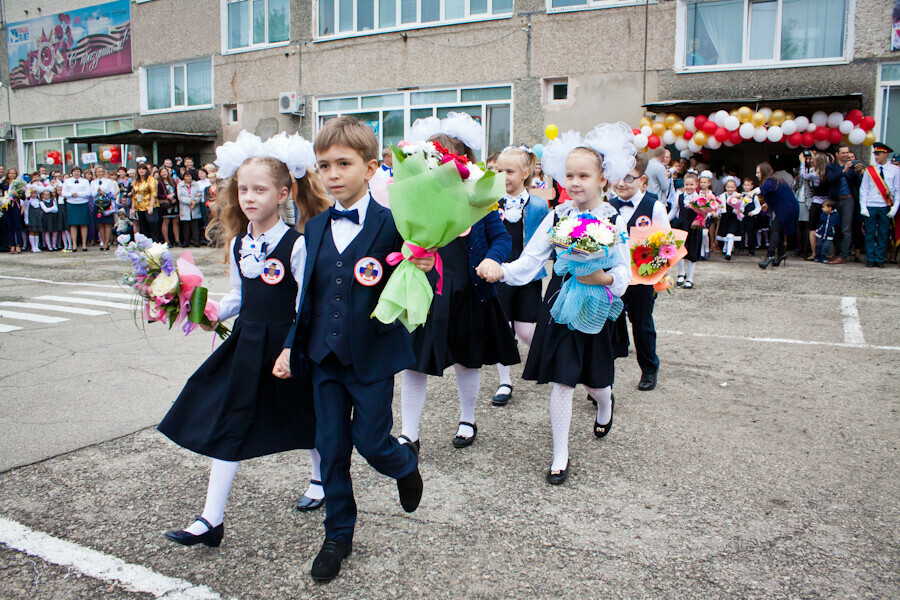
78	44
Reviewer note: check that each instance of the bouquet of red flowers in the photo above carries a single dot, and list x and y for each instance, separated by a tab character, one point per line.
704	203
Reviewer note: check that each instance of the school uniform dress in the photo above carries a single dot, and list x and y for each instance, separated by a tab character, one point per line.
78	210
559	354
681	217
522	215
467	325
15	222
50	216
34	215
751	208
729	224
350	357
233	408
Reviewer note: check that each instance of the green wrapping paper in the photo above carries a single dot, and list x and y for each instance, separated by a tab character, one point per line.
431	208
198	306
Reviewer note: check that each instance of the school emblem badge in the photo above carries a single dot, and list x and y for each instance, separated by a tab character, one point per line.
643	221
273	271
502	214
368	271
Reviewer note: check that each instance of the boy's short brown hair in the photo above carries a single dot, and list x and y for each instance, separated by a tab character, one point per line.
690	176
640	163
831	204
350	132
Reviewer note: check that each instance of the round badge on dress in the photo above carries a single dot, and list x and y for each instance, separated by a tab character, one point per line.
466	232
368	271
502	214
273	271
643	221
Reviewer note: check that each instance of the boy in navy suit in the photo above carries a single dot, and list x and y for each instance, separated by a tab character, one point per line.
350	357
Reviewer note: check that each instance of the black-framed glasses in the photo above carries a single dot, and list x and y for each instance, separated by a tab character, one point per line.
630	178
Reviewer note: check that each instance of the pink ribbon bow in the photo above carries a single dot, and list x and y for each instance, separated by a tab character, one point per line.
395	258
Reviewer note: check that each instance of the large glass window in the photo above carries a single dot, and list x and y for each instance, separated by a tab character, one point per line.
582	4
390	115
178	87
889	105
763	32
347	17
37	142
257	23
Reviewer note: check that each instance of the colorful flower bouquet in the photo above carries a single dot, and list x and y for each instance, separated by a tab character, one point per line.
17	188
4	203
436	196
104	204
169	291
587	245
736	202
703	205
655	250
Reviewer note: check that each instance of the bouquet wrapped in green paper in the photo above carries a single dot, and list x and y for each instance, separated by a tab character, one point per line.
435	197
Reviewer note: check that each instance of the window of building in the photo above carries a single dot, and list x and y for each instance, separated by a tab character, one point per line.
555	90
715	34
182	86
338	18
887	110
390	115
567	5
36	142
254	24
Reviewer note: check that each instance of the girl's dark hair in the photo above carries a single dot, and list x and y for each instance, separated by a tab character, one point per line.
453	145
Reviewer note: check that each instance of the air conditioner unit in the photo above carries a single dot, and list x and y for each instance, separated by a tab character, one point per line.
291	103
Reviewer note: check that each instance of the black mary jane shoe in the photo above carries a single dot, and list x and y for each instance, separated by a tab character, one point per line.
460	441
307	504
601	430
414	444
502	399
327	564
559	477
212	537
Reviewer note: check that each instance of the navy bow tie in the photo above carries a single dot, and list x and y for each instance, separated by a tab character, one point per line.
350	215
628	203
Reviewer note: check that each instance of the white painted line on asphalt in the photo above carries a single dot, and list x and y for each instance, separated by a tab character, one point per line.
66	309
8	328
780	340
852	328
101	285
106	295
85	301
18	316
134	578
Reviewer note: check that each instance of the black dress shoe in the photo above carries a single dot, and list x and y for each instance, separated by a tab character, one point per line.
502	399
410	490
558	477
460	441
212	537
601	430
327	564
307	504
648	382
411	443
879	265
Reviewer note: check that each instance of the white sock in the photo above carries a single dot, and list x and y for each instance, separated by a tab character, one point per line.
221	474
505	379
704	247
560	419
35	243
47	241
468	381
603	396
525	332
681	267
67	239
729	244
412	402
690	270
316	492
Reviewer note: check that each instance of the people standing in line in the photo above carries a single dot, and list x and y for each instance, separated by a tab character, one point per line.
842	179
76	192
879	194
783	212
104	191
145	198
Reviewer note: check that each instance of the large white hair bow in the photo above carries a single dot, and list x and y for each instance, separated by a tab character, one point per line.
294	151
457	125
613	142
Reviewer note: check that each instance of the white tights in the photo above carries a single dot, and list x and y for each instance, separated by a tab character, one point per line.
525	333
412	399
686	265
561	418
730	239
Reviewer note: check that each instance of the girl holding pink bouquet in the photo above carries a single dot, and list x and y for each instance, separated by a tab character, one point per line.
685	218
233	408
710	220
578	352
729	230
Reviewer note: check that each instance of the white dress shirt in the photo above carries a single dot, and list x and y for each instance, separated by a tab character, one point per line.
869	194
538	250
514	206
345	231
659	215
80	186
230	305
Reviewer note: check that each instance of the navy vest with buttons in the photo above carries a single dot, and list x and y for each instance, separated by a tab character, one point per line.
270	303
329	329
643	209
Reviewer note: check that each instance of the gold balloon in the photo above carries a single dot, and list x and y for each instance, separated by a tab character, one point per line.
870	139
758	119
744	114
645	122
778	117
789	116
670	121
700	138
551	131
658	128
678	129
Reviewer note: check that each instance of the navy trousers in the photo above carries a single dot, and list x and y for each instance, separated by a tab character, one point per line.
639	301
348	414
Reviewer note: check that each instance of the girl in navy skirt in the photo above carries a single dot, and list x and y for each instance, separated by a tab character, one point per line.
34	216
559	355
50	218
15	222
466	327
233	408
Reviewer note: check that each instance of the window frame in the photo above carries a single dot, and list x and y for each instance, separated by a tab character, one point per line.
746	64
251	47
145	97
882	86
595	5
442	22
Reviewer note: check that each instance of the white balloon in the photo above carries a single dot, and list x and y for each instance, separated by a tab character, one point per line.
681	143
802	123
647	131
695	147
747	130
820	118
713	143
689	124
835	119
766	111
640	141
668	137
823	144
732	123
660	117
760	135
106	155
686	154
774	134
857	136
720	118
846	127
50	161
788	127
811	127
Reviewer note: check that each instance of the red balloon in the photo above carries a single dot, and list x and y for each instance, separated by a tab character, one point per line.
721	134
688	134
835	136
653	142
710	127
699	122
735	137
855	116
795	138
820	134
867	123
807	140
636	131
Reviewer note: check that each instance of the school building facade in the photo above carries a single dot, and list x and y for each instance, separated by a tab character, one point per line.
160	78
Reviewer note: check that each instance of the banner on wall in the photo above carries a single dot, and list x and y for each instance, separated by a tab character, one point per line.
895	32
79	44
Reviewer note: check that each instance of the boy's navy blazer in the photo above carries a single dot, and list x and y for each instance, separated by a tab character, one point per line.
378	351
